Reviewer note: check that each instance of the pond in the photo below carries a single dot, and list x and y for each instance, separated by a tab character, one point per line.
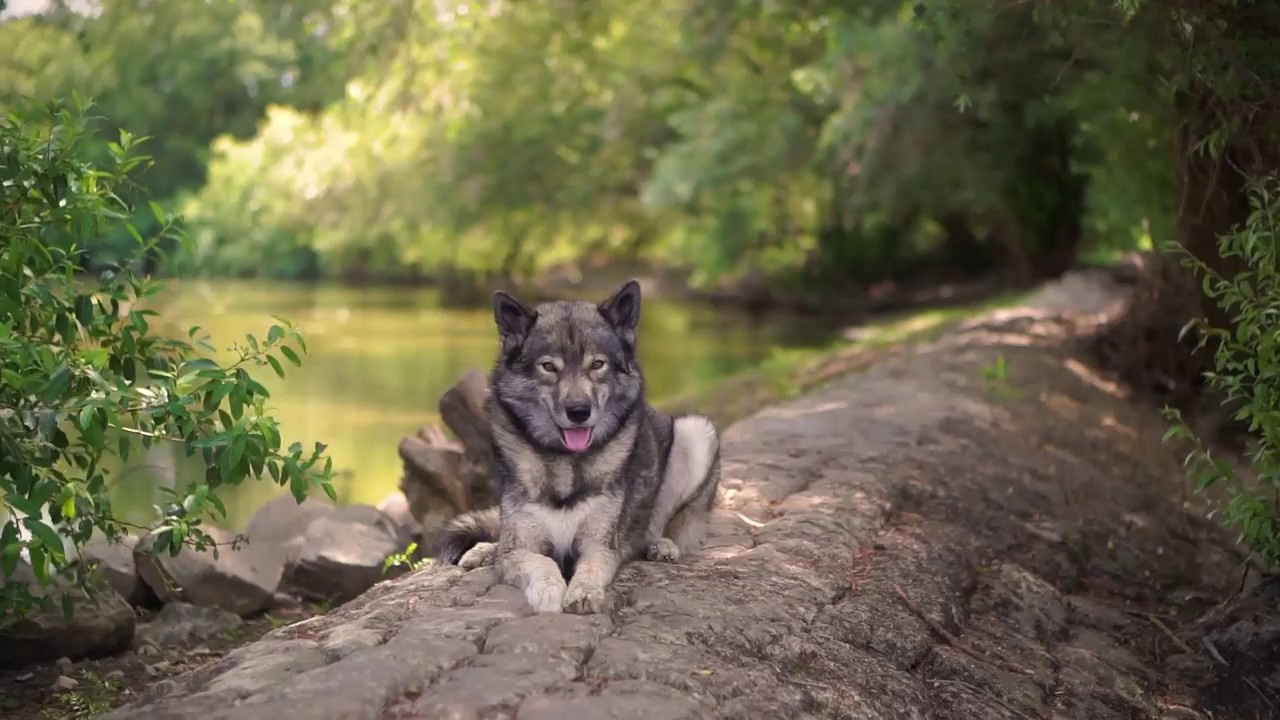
380	357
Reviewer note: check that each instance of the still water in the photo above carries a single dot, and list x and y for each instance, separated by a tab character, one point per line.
378	360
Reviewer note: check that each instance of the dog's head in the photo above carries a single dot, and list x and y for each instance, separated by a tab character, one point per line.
568	370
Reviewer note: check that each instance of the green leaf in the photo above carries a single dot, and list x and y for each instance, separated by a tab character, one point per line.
274	334
289	353
68	606
216	502
39	563
96	357
275	365
298	486
59	381
84	310
10	547
12	379
236	451
44	534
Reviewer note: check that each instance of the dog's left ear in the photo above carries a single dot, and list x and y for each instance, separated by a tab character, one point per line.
623	310
514	319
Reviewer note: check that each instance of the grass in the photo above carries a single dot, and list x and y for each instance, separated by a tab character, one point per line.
793	372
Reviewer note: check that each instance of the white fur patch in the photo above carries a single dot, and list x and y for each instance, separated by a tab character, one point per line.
693	449
561	526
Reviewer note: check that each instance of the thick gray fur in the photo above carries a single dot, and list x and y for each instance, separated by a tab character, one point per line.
567	520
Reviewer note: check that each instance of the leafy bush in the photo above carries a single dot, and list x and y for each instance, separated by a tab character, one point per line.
83	375
1247	369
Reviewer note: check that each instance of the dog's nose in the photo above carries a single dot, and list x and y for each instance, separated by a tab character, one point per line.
578	412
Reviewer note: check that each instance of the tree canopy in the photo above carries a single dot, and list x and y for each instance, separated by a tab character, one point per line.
815	142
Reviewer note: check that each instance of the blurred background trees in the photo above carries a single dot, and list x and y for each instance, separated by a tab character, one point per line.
815	145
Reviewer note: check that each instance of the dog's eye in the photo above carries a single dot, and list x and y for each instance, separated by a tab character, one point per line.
549	366
597	365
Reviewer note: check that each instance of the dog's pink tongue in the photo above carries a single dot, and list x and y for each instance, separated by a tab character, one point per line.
577	439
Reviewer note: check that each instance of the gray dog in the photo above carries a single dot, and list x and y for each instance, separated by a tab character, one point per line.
589	475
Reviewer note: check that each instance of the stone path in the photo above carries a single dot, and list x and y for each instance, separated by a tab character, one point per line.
910	542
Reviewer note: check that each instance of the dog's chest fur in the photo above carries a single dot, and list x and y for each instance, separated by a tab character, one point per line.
559	491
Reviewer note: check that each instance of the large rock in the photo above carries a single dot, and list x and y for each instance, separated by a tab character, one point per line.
180	623
342	553
396	506
241	579
96	628
281	523
282	519
444	477
462	407
432	480
115	563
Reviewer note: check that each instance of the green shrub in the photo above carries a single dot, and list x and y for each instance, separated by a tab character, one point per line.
83	377
1247	369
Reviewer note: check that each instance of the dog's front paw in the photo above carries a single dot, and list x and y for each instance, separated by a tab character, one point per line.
546	596
584	599
478	556
662	550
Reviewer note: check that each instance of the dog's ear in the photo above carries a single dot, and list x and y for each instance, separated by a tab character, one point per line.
623	310
514	320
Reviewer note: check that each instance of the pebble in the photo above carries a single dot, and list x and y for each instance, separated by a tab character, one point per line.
66	683
64	664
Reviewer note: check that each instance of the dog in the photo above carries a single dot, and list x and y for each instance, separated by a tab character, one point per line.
589	475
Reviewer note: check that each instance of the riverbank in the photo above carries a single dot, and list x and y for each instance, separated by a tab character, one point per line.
1095	564
91	687
979	526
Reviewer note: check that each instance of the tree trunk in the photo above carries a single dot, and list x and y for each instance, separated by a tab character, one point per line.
1143	345
1212	199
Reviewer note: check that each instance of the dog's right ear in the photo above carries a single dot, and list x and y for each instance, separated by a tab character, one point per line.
514	320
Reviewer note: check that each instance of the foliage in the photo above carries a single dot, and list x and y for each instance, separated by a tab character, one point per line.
180	72
94	698
811	143
84	377
1247	369
408	559
820	140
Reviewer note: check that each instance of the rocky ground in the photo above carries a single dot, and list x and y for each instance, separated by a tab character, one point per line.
984	527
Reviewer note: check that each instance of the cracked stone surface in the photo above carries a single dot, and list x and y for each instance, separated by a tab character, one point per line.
909	542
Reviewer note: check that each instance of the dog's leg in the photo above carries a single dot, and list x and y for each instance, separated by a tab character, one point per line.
688	490
598	559
479	555
535	574
688	526
597	566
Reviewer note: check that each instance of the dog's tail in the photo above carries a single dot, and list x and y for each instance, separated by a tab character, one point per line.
463	533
